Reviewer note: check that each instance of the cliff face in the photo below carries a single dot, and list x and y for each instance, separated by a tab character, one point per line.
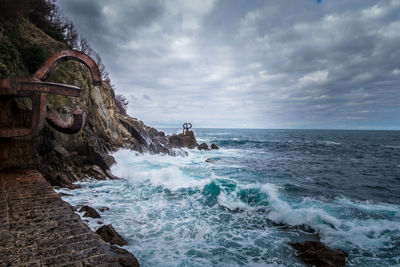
63	158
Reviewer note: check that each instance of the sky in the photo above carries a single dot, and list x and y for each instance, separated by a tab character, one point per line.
318	64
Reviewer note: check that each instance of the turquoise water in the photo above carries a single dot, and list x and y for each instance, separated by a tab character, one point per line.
265	189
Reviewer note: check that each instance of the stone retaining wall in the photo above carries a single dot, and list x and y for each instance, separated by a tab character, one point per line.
37	228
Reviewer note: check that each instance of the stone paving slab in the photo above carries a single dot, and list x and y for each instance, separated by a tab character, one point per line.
37	228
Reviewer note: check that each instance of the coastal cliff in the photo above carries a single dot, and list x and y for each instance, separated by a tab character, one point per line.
62	158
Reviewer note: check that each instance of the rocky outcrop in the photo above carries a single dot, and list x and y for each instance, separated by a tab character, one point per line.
187	140
89	212
214	146
123	257
318	254
108	234
61	158
203	146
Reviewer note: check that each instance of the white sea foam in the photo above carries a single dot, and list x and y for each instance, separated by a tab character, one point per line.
329	143
367	233
175	226
231	202
334	228
159	170
281	211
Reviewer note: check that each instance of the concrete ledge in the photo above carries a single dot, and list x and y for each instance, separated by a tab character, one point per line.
37	228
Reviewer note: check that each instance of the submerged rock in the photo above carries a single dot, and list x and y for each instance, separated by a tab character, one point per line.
210	160
203	146
318	254
89	212
214	146
108	234
104	208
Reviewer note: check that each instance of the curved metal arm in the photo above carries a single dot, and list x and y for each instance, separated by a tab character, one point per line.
79	118
39	102
35	88
51	63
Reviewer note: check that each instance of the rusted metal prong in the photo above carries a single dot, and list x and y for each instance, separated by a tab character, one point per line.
79	118
39	102
36	88
24	87
51	63
48	87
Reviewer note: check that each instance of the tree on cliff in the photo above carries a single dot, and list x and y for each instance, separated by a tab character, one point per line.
121	103
45	15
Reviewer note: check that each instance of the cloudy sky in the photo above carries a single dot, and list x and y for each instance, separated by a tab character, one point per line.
252	64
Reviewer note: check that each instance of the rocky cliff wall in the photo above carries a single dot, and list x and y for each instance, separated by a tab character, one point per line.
63	158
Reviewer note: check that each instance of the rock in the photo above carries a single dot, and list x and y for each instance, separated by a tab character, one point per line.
183	140
96	172
111	176
89	212
64	159
124	257
86	168
104	208
61	194
318	254
108	234
61	150
210	160
214	146
203	146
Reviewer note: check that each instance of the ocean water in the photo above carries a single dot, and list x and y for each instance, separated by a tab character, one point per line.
265	189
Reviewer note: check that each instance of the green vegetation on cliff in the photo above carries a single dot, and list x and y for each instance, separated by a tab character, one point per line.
26	40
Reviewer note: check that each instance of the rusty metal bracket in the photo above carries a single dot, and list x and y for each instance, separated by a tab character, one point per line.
37	89
186	126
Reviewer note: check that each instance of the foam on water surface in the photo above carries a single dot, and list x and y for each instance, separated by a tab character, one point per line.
241	210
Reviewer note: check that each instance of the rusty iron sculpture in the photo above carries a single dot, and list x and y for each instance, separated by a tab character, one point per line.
186	126
37	89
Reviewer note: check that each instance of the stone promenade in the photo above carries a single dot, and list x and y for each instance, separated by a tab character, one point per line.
37	228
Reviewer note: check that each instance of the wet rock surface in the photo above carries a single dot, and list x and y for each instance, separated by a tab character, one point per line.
104	209
62	158
318	254
89	212
124	257
203	146
214	146
37	228
108	234
187	140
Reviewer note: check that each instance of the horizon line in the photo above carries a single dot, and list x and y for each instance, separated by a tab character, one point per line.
314	129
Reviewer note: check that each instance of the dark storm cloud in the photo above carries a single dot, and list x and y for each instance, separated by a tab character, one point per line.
317	64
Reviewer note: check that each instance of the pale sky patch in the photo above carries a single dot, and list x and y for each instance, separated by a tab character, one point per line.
257	64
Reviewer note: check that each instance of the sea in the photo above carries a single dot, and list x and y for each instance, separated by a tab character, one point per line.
262	190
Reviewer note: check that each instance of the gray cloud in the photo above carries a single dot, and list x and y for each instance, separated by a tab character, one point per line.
273	64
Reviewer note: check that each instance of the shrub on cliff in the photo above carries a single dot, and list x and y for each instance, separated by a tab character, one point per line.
33	56
45	15
121	103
